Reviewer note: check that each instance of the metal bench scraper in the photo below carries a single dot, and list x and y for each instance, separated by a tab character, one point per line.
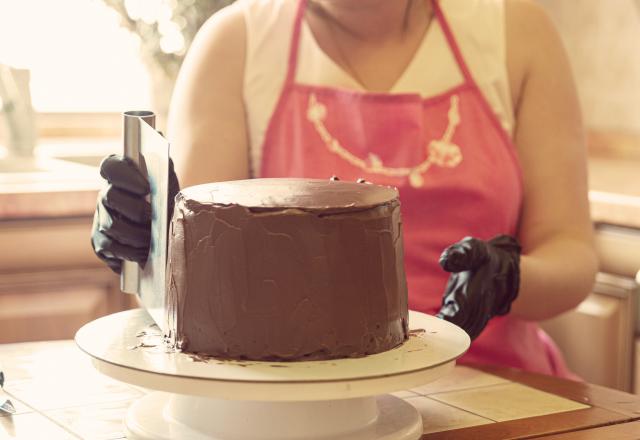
150	151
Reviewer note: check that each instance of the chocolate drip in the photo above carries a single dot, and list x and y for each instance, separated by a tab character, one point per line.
287	269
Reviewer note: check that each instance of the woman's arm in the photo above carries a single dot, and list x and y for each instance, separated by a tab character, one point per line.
206	124
559	264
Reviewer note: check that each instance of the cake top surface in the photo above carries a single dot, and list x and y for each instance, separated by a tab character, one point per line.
291	193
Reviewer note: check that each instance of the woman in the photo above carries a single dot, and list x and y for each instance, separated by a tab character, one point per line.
467	106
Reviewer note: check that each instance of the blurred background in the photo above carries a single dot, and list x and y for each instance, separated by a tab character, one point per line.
68	68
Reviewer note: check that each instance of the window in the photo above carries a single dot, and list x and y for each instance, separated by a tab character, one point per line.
79	56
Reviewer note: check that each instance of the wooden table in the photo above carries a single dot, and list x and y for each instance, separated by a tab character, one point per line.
59	395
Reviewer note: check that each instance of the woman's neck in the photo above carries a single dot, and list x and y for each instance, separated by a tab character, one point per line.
369	20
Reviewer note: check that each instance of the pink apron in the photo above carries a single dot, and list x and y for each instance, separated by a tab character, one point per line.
455	167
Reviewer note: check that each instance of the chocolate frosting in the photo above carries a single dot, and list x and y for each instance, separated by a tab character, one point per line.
305	194
287	269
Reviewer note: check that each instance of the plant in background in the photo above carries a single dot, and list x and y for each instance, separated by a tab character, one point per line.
166	28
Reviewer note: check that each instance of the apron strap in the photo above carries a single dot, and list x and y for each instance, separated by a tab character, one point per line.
295	42
453	45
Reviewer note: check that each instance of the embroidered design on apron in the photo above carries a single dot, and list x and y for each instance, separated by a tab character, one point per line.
440	152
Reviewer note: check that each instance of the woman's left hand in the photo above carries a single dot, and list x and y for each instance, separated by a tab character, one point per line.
484	281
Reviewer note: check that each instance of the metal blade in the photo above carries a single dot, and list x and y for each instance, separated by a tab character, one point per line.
130	275
6	406
154	157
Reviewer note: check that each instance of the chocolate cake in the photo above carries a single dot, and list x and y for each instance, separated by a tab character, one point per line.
286	269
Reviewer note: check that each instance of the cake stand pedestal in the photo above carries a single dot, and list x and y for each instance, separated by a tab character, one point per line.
198	398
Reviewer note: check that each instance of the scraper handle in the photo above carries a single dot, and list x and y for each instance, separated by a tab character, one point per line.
130	275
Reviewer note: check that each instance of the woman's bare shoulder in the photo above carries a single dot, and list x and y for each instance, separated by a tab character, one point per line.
531	37
223	33
528	21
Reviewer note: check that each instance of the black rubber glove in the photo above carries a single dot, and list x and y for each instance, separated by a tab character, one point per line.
484	281
122	221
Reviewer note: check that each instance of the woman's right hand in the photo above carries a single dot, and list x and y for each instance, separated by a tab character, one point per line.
122	220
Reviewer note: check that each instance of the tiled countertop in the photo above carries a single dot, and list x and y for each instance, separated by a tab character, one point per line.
59	395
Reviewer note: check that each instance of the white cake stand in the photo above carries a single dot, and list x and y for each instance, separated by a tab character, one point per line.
232	400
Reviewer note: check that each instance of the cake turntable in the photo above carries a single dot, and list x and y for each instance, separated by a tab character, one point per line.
197	398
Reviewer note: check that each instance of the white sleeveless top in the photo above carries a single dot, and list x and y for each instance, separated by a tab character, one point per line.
478	26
